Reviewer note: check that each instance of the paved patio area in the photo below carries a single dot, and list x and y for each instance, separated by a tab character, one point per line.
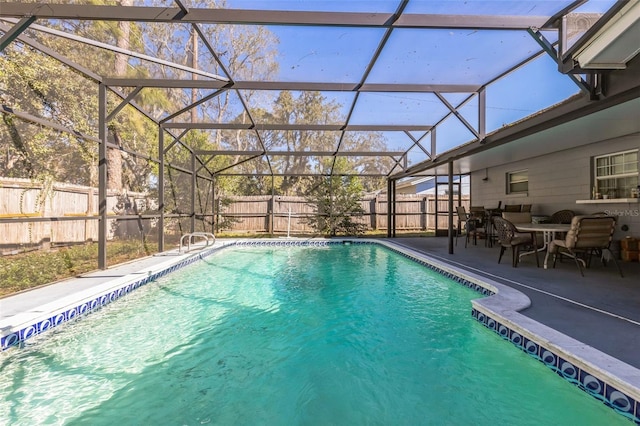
600	309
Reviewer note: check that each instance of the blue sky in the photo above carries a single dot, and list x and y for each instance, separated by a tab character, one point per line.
425	56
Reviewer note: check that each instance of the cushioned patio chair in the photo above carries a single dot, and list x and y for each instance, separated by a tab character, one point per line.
509	237
588	235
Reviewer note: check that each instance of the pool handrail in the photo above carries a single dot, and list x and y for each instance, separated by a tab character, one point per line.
208	236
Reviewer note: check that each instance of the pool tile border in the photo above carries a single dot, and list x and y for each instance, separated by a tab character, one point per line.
85	307
588	381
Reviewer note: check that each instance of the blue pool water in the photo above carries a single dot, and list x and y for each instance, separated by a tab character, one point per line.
288	336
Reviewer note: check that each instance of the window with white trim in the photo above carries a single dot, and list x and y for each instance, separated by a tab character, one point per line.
518	182
616	174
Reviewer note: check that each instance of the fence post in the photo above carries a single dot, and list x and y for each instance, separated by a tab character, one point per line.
373	213
102	176
423	214
270	215
45	211
89	212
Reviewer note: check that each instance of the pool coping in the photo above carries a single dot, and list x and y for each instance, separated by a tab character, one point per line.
608	379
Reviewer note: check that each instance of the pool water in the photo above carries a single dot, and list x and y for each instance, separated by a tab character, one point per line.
346	335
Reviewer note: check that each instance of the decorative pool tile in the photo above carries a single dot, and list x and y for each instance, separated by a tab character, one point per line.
58	318
587	381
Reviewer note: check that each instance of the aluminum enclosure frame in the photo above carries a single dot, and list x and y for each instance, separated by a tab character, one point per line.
16	18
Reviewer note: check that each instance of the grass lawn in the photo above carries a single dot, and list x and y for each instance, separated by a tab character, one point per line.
32	269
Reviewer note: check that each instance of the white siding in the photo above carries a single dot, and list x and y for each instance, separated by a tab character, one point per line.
556	181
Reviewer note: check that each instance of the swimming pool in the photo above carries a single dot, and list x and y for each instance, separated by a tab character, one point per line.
289	335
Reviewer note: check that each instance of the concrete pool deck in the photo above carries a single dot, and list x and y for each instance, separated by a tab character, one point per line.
600	310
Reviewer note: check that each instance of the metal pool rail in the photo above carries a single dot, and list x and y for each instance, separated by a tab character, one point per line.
210	239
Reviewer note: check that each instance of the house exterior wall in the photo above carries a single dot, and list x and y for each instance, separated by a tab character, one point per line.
556	181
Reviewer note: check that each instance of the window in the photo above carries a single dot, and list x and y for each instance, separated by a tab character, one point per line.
518	182
616	174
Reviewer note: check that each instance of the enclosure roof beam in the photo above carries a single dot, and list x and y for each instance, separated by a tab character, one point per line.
269	17
367	71
304	153
193	105
310	127
459	116
47	123
80	69
131	53
47	51
376	175
124	103
167	83
14	32
245	160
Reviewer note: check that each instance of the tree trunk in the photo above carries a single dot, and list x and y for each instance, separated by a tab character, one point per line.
114	156
114	164
194	64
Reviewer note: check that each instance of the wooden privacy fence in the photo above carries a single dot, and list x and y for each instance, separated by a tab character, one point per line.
284	214
63	214
52	214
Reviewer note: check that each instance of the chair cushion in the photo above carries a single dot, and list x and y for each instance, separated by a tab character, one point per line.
591	233
521	239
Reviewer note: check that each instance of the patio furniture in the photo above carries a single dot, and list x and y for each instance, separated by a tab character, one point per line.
489	227
512	207
562	216
540	218
525	208
472	225
477	212
509	237
549	232
587	235
517	217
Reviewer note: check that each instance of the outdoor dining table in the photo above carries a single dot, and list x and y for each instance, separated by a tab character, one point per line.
548	230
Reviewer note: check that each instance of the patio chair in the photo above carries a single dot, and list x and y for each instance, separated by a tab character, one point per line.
512	208
517	217
490	213
525	208
588	235
509	237
472	226
477	212
562	216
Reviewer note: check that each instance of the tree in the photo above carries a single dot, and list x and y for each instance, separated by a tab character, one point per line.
122	34
37	84
336	201
306	108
